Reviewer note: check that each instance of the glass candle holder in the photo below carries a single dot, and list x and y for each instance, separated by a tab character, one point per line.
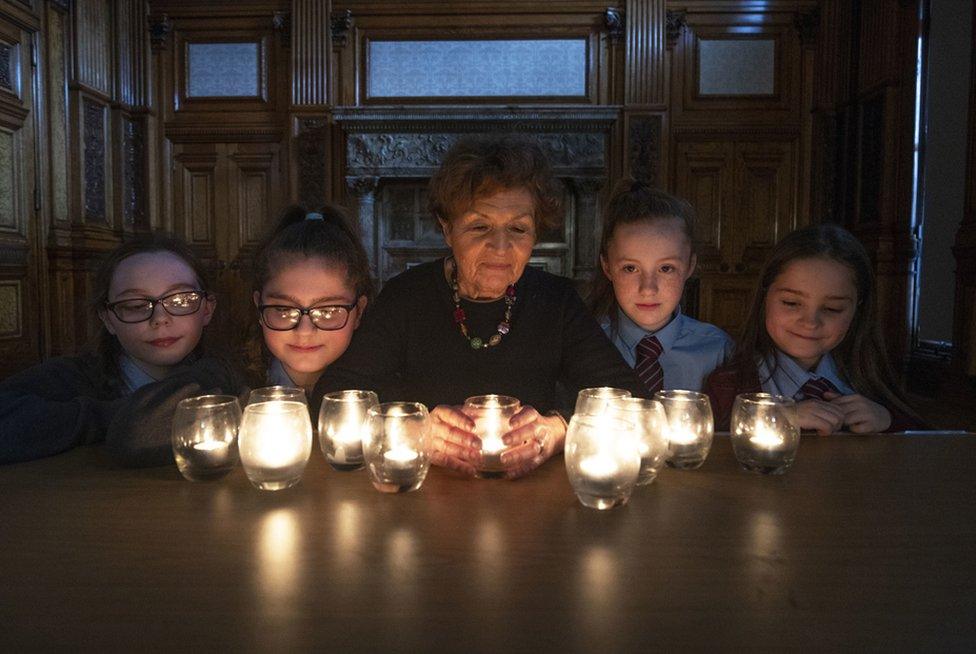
396	446
342	418
275	442
491	414
204	436
649	421
602	460
594	401
765	432
689	428
271	393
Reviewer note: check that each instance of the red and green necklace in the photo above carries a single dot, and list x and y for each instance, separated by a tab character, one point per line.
504	326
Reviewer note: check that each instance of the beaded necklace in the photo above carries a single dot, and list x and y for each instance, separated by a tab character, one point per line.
503	327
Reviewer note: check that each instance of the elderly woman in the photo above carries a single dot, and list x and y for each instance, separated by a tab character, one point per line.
480	320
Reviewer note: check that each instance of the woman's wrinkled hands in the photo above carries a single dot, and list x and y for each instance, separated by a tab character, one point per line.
533	439
455	445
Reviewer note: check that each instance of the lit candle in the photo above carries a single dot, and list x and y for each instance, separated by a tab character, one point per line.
765	435
275	441
491	439
394	446
599	467
211	453
400	457
766	438
602	460
348	442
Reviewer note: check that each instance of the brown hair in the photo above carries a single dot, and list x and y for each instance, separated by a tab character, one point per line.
861	357
104	345
479	166
325	233
632	202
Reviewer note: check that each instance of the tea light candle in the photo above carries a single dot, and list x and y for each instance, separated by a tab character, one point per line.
491	415
400	457
602	460
765	432
211	453
689	427
394	446
275	442
348	442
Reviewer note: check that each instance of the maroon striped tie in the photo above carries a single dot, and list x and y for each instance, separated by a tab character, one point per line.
814	389
648	368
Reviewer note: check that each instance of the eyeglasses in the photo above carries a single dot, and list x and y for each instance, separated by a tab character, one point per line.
284	318
141	309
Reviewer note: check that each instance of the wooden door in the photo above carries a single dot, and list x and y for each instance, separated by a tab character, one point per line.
745	195
20	338
225	197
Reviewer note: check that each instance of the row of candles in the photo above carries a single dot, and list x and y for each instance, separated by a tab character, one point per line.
614	442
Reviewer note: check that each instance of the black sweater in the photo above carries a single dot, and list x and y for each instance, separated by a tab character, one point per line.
67	401
409	347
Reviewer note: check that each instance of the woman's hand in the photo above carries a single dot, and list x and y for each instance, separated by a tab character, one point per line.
861	415
454	444
820	416
533	439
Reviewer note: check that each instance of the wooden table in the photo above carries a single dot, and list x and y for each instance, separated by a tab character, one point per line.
865	542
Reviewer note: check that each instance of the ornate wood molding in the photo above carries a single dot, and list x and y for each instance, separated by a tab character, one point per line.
159	31
94	160
63	6
614	20
6	79
311	145
134	173
281	21
341	23
644	142
675	22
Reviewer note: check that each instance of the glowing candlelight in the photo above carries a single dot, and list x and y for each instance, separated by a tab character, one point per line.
765	432
689	427
275	442
599	467
204	435
395	446
400	457
342	419
491	415
602	460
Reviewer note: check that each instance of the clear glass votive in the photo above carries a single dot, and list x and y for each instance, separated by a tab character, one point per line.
342	419
396	445
491	414
270	393
689	429
602	460
594	401
649	421
765	432
275	442
204	436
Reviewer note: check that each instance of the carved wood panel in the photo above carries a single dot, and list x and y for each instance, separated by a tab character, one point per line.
765	200
20	337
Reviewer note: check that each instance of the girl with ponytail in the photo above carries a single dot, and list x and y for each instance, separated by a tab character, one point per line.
311	285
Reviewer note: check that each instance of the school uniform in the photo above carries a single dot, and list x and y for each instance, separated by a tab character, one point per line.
782	375
68	401
689	349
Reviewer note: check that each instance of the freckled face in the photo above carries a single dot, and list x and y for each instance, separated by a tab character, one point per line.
492	242
160	343
648	263
809	308
306	351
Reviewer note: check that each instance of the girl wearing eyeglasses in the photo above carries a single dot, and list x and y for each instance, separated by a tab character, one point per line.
150	296
312	283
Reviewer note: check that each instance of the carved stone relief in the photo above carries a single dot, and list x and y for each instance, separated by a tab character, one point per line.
644	143
311	162
134	190
94	156
405	153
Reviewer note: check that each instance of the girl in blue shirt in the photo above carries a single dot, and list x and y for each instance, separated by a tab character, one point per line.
646	257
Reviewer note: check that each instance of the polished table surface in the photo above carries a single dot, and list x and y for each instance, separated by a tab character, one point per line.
866	541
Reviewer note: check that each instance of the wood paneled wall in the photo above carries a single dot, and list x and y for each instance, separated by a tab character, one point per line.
964	332
103	127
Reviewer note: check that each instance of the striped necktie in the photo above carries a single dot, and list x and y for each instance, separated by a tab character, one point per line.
648	368
814	389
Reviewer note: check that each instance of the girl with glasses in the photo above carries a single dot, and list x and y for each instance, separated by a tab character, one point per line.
312	283
151	299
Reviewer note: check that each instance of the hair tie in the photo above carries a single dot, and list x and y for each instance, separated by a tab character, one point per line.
314	215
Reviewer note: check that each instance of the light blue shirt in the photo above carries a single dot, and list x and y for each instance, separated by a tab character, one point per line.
277	376
133	376
691	349
789	376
